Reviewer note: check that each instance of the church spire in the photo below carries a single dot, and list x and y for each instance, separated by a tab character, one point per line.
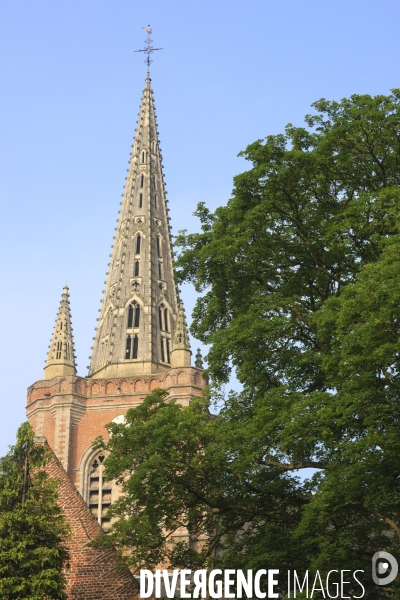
61	355
137	318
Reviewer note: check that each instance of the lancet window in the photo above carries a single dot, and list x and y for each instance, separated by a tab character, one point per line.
140	200
132	345
159	270
142	181
159	252
133	315
59	350
165	348
163	317
138	242
100	492
136	270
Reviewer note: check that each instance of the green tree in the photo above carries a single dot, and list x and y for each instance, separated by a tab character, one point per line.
299	285
33	533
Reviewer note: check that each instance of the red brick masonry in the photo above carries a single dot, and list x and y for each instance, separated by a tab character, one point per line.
93	573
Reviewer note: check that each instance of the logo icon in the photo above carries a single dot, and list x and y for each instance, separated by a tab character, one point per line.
382	563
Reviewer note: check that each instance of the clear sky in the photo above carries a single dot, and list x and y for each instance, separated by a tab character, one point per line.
231	72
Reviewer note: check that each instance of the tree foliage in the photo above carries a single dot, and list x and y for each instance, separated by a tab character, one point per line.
32	529
299	284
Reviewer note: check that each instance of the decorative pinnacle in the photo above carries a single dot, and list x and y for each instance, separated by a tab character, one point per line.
148	49
181	338
61	355
199	360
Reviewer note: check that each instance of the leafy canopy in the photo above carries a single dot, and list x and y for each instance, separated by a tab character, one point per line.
299	287
32	529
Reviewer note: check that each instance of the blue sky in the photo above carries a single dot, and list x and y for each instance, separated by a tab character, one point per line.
230	72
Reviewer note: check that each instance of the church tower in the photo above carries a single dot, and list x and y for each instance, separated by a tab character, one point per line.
141	341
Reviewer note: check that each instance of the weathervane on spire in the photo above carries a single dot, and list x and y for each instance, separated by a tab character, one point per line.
149	48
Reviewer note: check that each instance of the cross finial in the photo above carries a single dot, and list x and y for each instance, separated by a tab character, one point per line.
148	49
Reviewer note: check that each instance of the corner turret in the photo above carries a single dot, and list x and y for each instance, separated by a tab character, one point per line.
181	353
61	356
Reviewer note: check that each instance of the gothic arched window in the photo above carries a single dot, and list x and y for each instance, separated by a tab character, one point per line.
155	201
142	181
140	200
159	270
133	315
138	240
59	350
164	337
143	156
136	271
132	344
159	254
100	492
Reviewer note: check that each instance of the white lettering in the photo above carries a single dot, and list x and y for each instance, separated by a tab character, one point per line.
359	583
243	584
157	587
272	583
257	591
146	576
334	584
305	581
184	583
320	589
200	580
170	587
343	582
228	583
215	587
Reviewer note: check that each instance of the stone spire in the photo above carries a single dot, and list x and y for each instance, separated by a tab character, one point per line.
61	356
181	346
136	325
